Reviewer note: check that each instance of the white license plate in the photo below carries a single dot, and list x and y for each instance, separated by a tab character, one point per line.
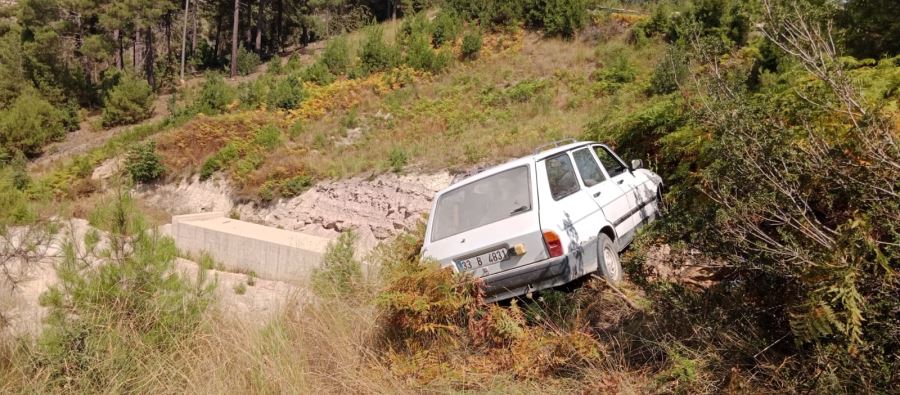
489	258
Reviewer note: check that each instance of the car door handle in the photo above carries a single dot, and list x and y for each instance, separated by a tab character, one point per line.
620	181
598	193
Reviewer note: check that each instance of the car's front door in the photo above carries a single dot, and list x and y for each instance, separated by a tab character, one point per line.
607	193
619	175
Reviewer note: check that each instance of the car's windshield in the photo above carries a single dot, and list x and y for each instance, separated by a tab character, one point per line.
482	202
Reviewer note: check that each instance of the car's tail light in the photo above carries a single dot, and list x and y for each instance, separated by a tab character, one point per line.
554	244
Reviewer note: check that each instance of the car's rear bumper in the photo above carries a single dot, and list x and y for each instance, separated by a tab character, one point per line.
532	277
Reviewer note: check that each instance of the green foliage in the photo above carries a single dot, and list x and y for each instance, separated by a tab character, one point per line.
286	93
617	72
413	26
397	158
15	205
336	56
219	160
561	18
143	164
247	62
215	95
275	67
317	73
129	101
421	56
669	73
521	92
115	303
253	94
29	124
268	137
471	45
340	275
870	28
375	55
445	28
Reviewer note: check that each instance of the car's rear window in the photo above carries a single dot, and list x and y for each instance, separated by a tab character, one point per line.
482	202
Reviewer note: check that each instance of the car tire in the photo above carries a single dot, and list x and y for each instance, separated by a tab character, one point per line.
608	259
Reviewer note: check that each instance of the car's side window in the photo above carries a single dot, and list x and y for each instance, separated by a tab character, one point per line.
561	176
612	165
590	172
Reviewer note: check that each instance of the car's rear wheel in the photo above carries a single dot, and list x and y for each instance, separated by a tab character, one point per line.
608	259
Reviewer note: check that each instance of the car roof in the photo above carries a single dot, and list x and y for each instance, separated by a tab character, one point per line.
526	160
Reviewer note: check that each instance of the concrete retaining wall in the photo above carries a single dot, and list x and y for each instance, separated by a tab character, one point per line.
271	253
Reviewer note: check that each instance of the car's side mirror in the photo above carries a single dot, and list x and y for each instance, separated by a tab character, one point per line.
637	164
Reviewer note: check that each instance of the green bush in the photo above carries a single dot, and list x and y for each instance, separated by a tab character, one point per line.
495	14
340	274
286	93
275	67
218	161
296	185
376	55
557	17
268	137
471	45
252	94
445	28
143	164
413	26
215	95
397	158
318	73
29	124
114	304
669	72
130	101
336	56
421	56
247	62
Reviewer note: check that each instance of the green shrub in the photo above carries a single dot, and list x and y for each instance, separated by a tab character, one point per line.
215	95
340	274
217	161
275	67
421	56
336	56
317	73
397	158
494	14
293	64
413	26
557	17
29	124
376	55
252	94
268	137
130	101
669	72
143	164
286	93
296	185
445	28
471	45
114	305
247	62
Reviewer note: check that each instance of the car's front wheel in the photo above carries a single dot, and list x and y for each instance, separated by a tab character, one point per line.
608	259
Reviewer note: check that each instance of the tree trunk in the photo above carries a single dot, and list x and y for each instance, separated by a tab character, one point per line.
260	25
168	27
248	26
136	53
187	6
194	31
394	4
219	19
234	37
276	37
148	61
117	37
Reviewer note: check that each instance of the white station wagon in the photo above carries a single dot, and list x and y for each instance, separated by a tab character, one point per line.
544	220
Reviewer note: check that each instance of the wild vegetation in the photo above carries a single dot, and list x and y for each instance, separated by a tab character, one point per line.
774	124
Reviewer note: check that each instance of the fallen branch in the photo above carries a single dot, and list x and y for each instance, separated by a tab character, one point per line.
619	292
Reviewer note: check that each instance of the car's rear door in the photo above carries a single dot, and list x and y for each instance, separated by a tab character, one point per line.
488	226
